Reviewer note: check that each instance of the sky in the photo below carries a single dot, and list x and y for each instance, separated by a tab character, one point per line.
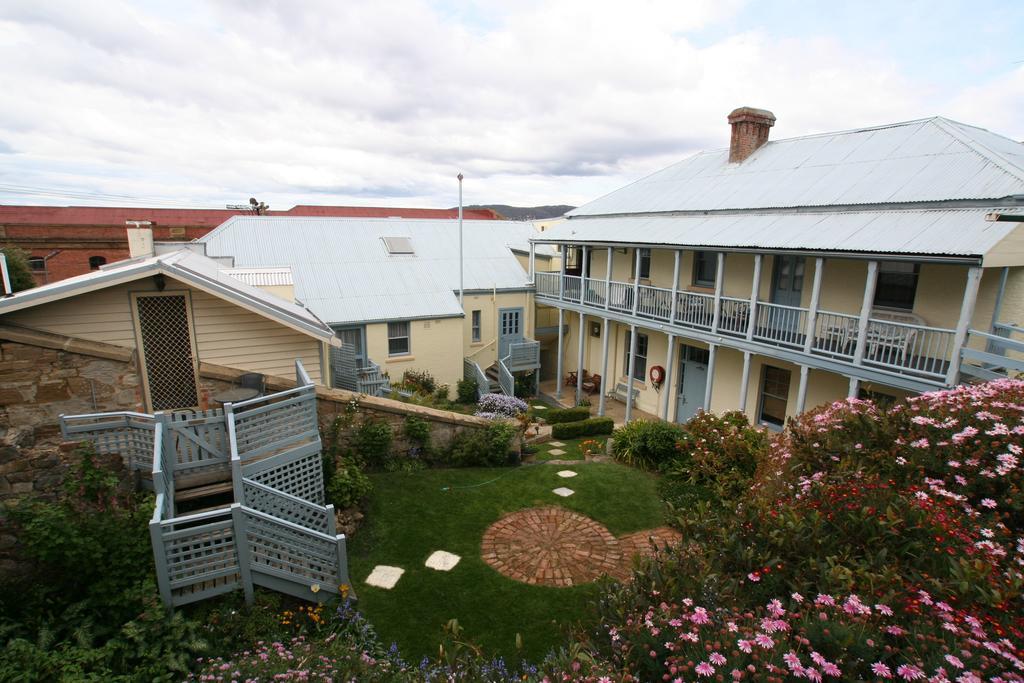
202	104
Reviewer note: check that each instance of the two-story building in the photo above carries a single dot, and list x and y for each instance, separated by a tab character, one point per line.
773	276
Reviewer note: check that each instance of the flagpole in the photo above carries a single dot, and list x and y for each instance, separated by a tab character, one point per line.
460	241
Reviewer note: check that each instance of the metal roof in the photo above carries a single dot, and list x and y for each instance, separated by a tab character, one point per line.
343	272
262	277
918	161
939	232
185	265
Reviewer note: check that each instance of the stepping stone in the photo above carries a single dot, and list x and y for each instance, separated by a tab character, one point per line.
556	451
556	444
563	492
540	407
565	474
384	576
442	561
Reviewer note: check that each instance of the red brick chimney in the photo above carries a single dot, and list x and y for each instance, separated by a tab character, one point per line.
749	131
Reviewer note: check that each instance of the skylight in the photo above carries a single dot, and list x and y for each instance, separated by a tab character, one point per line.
398	245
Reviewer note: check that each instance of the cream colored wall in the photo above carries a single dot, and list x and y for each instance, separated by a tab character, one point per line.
485	352
225	334
434	345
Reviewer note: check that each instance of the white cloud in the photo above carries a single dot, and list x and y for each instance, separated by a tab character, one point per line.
537	102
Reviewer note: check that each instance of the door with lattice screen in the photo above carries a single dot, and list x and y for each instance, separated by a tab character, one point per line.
166	350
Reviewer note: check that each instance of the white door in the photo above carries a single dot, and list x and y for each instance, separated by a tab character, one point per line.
693	380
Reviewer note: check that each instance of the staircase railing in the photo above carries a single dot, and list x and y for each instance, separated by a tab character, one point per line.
471	370
506	380
125	433
372	381
1003	356
524	355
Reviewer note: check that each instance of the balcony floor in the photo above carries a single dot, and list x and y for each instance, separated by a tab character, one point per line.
612	408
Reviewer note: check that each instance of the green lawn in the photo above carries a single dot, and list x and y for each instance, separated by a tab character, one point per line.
410	515
571	448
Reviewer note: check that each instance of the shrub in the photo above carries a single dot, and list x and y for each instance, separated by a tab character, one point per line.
466	390
523	386
487	447
441	393
559	415
500	406
590	427
348	486
17	269
372	442
416	431
420	381
646	444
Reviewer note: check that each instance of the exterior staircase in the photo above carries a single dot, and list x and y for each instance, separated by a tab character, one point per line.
262	455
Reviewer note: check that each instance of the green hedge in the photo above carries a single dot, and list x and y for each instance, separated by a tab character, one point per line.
560	415
591	427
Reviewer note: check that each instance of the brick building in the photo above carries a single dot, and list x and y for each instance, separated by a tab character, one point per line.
63	241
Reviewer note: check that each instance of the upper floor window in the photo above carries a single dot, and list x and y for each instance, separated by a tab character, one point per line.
476	325
705	268
897	284
37	263
645	265
640	364
96	261
398	339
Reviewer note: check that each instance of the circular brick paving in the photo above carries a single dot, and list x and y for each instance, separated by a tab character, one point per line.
550	546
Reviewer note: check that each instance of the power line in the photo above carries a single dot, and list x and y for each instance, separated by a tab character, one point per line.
63	193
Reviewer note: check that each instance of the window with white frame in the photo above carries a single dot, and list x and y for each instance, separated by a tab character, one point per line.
897	284
705	268
476	325
398	339
645	265
774	396
640	366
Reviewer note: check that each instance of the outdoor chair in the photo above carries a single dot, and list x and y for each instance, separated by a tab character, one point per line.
253	380
571	379
592	384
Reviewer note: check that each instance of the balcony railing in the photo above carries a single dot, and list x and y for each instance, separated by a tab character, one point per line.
903	348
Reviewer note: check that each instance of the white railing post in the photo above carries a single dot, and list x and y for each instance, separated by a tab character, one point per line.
242	552
755	290
712	352
604	367
163	579
812	312
854	388
341	546
997	308
533	264
583	275
669	357
719	282
744	382
636	281
236	460
675	287
559	353
801	394
962	325
630	369
865	312
579	361
608	281
561	274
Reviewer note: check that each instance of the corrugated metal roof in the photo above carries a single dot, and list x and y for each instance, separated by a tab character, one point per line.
946	232
926	160
184	264
343	272
262	277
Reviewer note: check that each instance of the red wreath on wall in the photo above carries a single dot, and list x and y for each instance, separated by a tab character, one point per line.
657	374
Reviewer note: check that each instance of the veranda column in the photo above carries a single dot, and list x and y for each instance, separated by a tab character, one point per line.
744	381
561	274
608	283
755	289
558	352
865	312
666	387
712	352
962	325
854	388
997	309
533	263
629	372
584	273
719	280
812	312
636	281
604	368
579	361
801	394
675	288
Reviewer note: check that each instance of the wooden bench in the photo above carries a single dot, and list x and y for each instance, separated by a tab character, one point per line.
619	394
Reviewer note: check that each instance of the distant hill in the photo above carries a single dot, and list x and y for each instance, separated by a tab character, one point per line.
525	213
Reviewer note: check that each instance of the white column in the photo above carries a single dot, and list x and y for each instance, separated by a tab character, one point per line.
801	394
712	352
865	312
962	325
744	381
854	388
666	387
636	280
608	282
755	289
631	365
997	308
559	352
583	276
561	274
579	361
719	280
604	366
533	263
812	312
675	288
